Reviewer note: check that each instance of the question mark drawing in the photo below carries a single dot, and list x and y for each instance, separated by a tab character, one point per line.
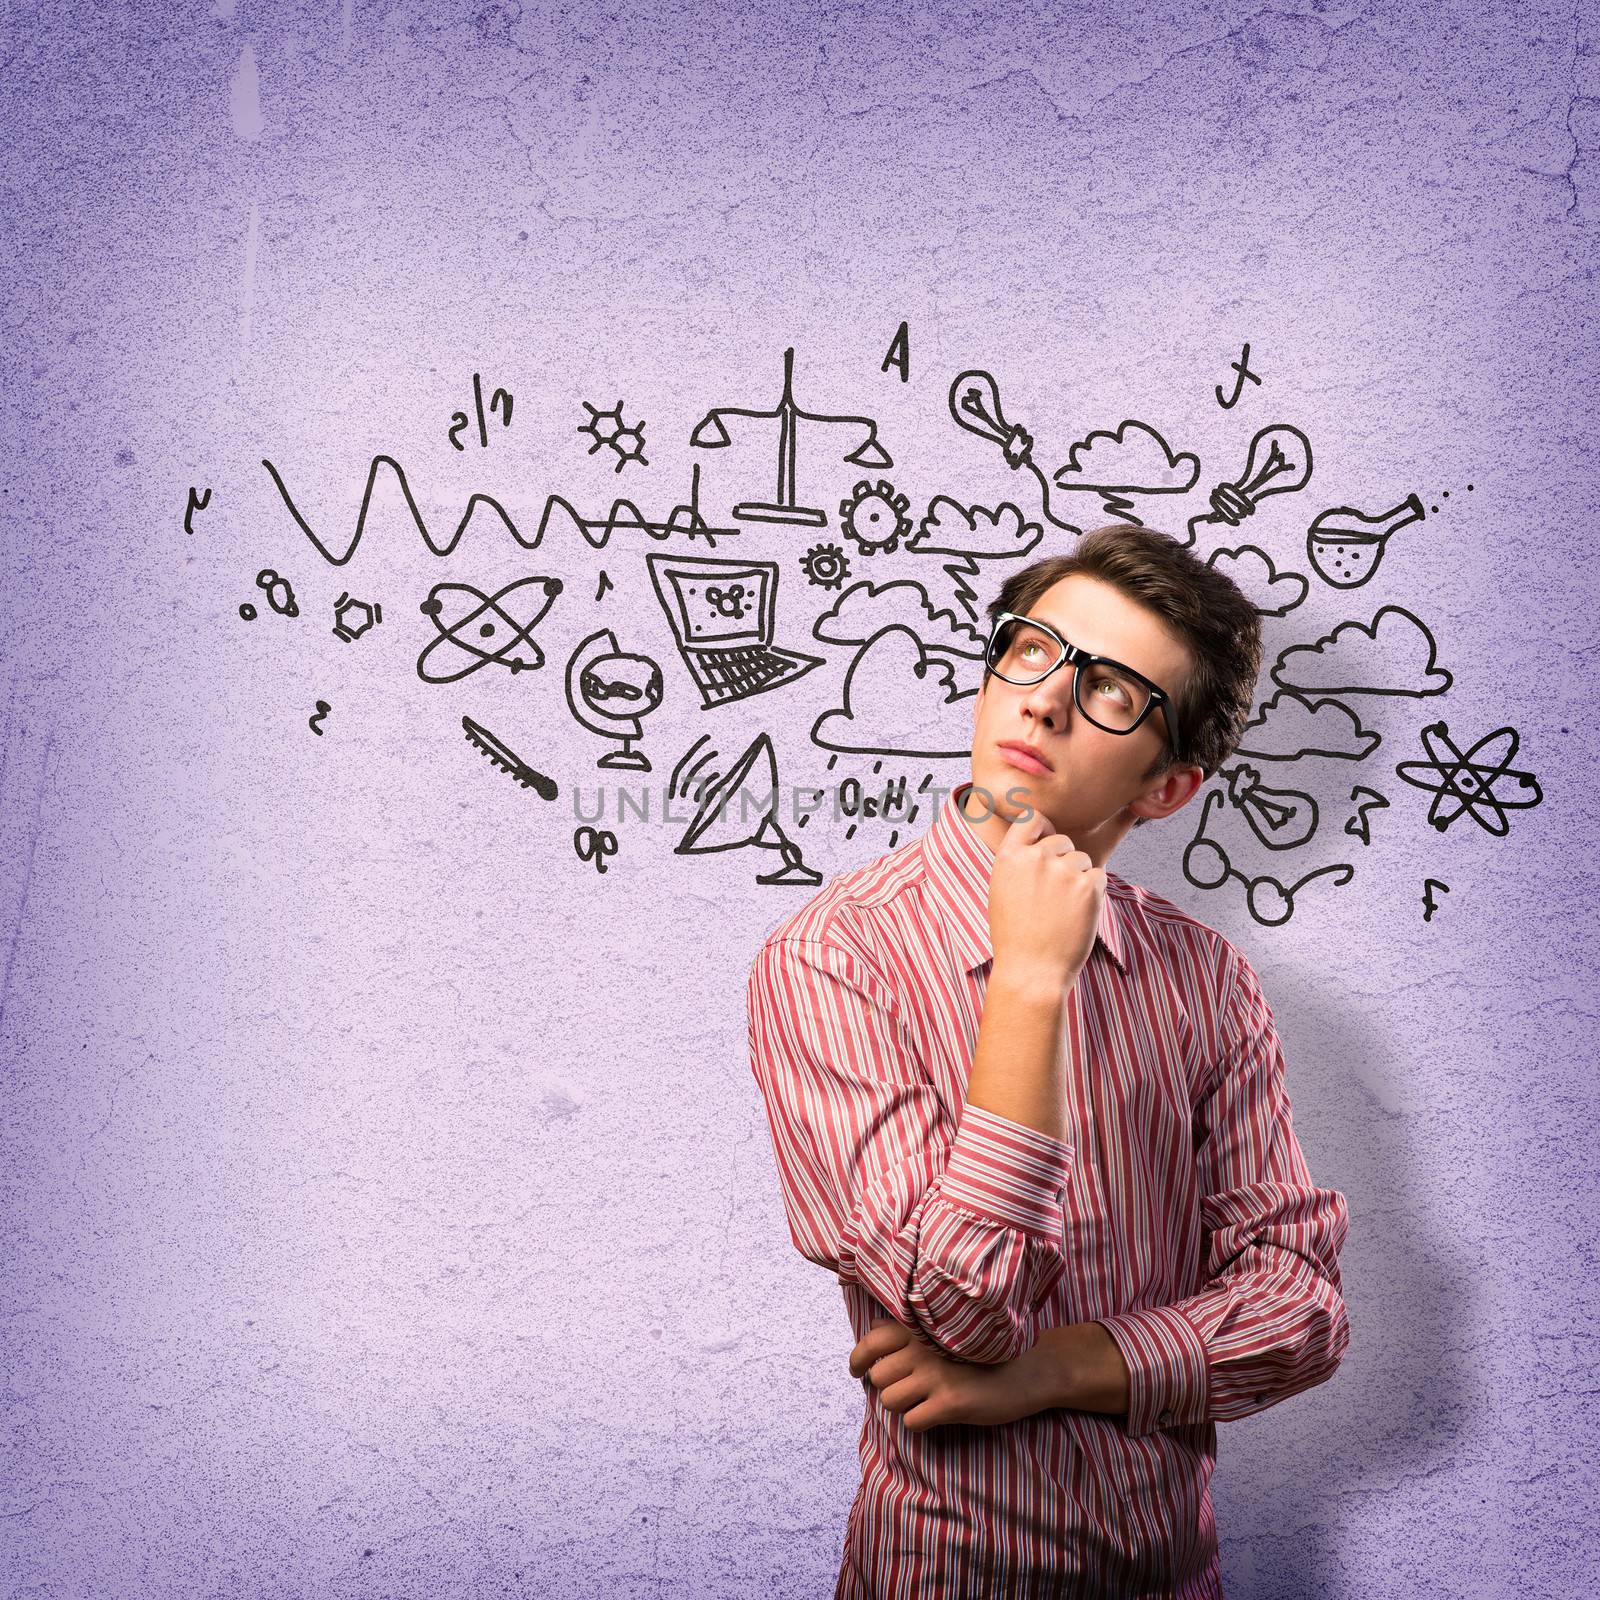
323	708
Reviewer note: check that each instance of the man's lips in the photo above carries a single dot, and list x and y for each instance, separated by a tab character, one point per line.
1026	756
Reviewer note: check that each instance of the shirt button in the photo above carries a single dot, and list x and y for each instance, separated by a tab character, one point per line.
1164	1418
1261	1397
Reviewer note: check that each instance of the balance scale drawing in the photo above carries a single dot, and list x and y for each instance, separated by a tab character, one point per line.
710	434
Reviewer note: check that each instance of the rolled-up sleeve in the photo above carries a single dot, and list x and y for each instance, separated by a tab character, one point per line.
1271	1319
956	1229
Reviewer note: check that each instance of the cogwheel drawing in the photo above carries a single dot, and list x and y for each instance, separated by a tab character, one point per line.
875	517
826	566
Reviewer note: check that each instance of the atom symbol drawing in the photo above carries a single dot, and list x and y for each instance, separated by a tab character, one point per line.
608	428
1468	780
484	628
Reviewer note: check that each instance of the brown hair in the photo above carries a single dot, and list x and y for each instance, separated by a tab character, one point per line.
1201	607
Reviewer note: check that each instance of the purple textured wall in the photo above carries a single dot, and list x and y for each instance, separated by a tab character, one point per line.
389	1208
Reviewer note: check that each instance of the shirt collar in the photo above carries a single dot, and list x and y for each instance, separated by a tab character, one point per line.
959	862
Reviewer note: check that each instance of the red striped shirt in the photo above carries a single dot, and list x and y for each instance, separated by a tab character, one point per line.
1178	1212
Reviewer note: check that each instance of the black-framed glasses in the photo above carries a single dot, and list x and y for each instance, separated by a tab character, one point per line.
1025	651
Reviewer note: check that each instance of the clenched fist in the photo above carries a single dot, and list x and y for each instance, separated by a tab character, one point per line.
1044	902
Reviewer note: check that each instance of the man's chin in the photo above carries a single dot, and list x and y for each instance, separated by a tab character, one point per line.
1011	794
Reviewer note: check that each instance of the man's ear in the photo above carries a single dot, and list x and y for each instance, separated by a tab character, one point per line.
1175	788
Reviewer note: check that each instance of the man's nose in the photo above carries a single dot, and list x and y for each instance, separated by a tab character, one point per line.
1050	700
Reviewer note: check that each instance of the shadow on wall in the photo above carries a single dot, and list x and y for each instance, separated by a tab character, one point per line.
1292	1482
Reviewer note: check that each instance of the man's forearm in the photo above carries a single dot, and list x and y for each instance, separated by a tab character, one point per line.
1080	1366
1018	1068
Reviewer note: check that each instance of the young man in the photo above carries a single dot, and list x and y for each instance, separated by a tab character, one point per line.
1034	1119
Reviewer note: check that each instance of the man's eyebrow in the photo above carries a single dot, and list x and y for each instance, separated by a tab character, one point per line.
1034	617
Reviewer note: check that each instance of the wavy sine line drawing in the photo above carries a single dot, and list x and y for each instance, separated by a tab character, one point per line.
411	505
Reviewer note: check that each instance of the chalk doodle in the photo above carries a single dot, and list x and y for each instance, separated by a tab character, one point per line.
604	584
608	691
1429	905
874	517
503	621
1279	462
326	551
608	430
1280	818
866	608
898	355
352	618
1384	656
826	566
949	528
720	824
318	717
1269	901
499	401
974	404
1272	593
197	502
972	534
1346	545
595	844
626	517
279	593
899	701
248	612
1242	367
1288	727
1131	459
1365	800
1446	495
729	656
1468	781
711	433
852	800
507	760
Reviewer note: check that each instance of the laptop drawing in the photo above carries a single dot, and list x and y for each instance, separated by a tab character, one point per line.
722	614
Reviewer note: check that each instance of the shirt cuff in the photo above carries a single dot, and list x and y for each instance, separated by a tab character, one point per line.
1168	1383
1007	1172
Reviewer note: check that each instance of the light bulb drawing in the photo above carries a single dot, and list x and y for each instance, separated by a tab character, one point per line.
1279	463
1269	901
1279	818
975	406
711	434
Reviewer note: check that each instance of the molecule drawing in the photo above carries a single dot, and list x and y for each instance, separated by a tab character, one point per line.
352	618
1469	782
608	428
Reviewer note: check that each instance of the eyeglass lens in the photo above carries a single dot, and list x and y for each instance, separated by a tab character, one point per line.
1109	698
